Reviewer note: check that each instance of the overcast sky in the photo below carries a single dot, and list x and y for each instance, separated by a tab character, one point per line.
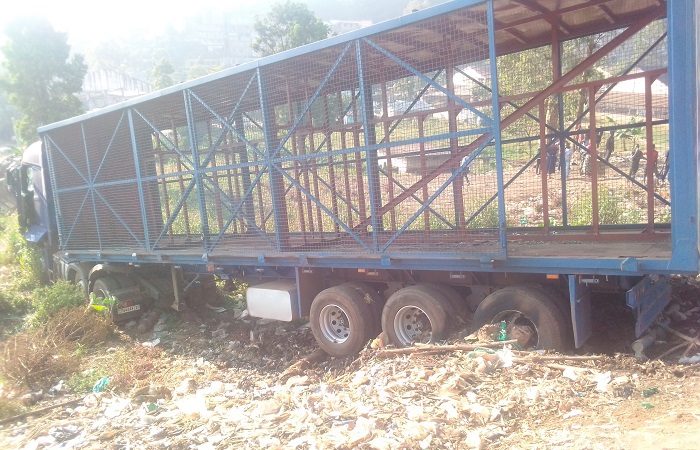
88	21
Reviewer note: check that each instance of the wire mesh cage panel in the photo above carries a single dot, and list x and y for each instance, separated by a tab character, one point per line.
451	135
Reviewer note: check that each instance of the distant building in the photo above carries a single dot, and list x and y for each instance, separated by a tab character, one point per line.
106	87
346	26
227	40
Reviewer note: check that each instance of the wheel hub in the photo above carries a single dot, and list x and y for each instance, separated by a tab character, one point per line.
334	324
520	327
412	325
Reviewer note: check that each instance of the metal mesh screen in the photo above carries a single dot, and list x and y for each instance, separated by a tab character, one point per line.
386	144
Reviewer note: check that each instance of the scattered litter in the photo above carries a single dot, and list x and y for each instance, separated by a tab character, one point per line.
573	413
690	359
217	309
151	344
602	381
101	385
216	388
570	373
57	389
649	392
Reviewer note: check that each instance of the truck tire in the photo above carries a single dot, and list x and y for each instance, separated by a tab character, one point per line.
375	301
76	275
459	311
105	286
528	307
416	314
126	295
341	320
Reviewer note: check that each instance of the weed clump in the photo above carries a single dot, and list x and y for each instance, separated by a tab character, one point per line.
39	355
49	300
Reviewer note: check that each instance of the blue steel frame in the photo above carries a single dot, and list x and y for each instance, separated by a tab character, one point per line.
683	174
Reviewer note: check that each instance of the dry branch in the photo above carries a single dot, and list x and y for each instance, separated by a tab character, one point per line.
38	411
434	349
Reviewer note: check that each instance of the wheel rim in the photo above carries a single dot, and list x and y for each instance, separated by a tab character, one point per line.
527	333
335	325
412	325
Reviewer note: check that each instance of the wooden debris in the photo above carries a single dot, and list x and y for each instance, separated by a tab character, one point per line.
38	411
434	349
299	367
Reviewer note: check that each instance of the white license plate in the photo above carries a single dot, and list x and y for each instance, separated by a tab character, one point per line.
128	309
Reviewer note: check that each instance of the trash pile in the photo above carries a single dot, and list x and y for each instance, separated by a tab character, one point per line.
462	395
229	381
676	334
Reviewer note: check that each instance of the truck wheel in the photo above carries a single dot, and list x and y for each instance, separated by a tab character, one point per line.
341	320
105	286
539	322
76	275
459	310
375	301
129	303
415	314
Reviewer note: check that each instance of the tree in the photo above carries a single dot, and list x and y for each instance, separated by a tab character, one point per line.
6	113
41	77
287	25
162	74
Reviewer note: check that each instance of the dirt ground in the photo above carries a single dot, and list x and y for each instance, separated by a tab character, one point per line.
208	380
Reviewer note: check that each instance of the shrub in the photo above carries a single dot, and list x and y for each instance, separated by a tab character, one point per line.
611	210
15	251
19	269
42	354
48	300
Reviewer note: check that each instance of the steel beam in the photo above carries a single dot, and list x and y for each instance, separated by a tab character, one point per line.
520	112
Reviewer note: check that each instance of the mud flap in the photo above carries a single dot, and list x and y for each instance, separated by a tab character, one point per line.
580	301
647	299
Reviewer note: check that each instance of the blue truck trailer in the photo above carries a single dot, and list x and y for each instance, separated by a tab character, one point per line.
493	161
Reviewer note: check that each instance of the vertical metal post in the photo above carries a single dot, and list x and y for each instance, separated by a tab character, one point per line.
556	74
423	171
52	180
139	184
683	116
496	125
593	151
328	133
386	125
375	196
297	169
543	167
196	170
652	155
181	182
279	204
218	207
458	184
249	208
91	187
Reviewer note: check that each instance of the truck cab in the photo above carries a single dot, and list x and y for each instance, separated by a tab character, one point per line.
29	185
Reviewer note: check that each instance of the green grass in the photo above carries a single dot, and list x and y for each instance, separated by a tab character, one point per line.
48	300
20	269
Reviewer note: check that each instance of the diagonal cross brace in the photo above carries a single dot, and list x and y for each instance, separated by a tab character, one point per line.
436	194
169	144
225	122
449	163
451	95
313	98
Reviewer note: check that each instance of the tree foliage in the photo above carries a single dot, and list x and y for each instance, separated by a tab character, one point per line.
41	77
162	74
287	25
